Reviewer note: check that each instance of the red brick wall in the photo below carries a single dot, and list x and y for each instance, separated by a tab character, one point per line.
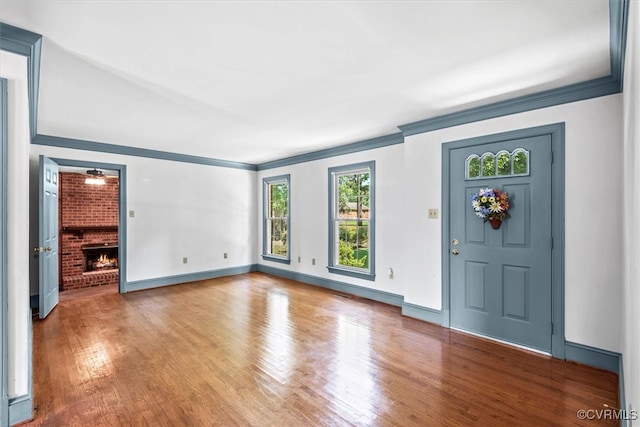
87	205
83	205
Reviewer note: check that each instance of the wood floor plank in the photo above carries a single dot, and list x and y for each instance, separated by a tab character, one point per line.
256	350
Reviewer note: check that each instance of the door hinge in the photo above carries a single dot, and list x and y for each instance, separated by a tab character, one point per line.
552	157
551	328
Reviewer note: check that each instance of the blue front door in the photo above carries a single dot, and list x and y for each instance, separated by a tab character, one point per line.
48	236
500	279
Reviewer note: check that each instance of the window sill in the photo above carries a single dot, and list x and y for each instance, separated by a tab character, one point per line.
276	259
353	273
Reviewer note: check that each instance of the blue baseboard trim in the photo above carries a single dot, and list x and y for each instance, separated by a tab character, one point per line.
592	356
621	395
20	409
426	314
157	282
347	288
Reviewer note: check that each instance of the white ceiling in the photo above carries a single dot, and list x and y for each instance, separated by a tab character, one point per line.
254	81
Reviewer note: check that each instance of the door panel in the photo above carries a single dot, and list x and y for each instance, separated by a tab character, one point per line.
500	281
48	236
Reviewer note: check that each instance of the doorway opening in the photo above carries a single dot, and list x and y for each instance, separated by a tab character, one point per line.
88	223
90	229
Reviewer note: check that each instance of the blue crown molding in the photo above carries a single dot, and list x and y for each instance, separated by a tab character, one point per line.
576	92
618	23
367	144
25	43
101	147
618	17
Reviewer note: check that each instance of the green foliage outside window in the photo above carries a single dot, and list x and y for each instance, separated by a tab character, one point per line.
353	214
520	163
474	167
488	165
278	218
504	164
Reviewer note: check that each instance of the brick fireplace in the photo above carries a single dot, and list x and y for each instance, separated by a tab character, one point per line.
88	232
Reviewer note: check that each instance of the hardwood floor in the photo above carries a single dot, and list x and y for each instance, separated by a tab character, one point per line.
263	351
88	292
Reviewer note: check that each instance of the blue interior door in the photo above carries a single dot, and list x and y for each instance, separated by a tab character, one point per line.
48	236
500	279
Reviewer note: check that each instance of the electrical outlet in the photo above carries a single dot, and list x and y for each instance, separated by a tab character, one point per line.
313	261
132	214
433	213
299	259
184	260
226	255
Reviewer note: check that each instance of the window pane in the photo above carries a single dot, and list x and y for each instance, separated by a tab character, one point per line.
504	164
473	167
488	165
353	243
353	196
278	237
520	163
279	197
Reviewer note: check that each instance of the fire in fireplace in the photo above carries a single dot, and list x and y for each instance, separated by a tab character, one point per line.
100	257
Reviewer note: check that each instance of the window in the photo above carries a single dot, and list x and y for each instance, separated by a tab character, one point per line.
351	220
498	165
275	229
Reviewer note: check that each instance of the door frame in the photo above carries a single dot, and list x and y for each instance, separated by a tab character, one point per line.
122	210
556	132
4	264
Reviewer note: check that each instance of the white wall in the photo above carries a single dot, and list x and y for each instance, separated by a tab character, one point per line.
180	210
14	69
631	295
593	150
408	179
308	232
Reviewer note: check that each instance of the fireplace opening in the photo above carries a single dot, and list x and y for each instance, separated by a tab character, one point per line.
100	257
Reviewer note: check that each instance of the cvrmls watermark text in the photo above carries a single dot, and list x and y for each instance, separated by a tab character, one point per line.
606	414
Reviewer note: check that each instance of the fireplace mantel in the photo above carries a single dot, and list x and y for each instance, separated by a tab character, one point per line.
79	230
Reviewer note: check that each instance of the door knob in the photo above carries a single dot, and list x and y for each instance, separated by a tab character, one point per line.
455	252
